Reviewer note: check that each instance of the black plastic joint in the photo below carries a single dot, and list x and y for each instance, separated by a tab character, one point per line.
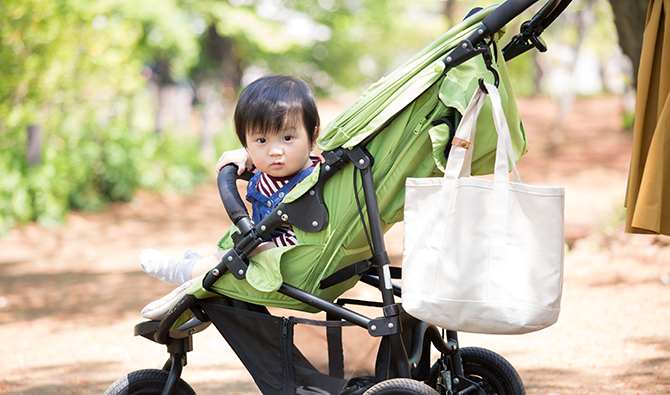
237	238
391	310
336	158
235	264
245	226
246	241
466	50
181	346
384	326
359	158
379	260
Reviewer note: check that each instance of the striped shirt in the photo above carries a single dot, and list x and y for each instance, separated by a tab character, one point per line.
268	186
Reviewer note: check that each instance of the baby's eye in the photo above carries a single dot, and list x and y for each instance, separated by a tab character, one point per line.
261	140
287	138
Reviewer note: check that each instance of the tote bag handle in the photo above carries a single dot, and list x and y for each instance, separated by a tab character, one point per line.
459	165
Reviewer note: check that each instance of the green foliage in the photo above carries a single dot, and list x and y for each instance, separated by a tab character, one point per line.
79	70
334	44
86	171
628	120
73	68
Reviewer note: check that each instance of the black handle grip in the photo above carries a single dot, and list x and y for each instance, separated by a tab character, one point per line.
473	44
226	181
498	18
505	13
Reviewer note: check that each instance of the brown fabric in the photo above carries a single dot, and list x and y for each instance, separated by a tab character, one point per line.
460	143
648	194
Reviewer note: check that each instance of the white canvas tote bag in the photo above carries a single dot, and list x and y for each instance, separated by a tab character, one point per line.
482	255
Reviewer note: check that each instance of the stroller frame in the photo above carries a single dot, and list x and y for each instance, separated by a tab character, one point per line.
402	361
309	213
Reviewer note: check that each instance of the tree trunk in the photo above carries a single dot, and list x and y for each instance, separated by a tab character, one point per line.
207	148
222	50
448	12
160	75
34	151
566	99
538	75
630	17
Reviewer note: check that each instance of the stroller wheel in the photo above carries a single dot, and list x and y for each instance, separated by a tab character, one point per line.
400	387
494	374
146	382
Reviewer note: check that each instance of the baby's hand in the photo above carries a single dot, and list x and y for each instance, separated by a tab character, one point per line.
239	157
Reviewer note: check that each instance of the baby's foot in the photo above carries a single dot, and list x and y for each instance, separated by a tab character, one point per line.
156	310
169	269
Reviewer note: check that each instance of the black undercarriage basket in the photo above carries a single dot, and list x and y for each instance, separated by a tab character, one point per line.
290	355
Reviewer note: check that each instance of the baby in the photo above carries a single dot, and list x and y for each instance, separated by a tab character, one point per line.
277	122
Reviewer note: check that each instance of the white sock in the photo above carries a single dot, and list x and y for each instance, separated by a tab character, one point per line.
169	269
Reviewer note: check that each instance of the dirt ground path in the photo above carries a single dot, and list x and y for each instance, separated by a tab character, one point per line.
69	297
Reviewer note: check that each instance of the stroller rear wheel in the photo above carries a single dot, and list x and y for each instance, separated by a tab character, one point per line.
400	387
146	382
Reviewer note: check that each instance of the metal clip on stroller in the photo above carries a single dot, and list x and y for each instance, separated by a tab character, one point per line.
403	364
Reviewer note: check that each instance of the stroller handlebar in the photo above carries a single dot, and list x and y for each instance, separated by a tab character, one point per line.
502	15
472	45
226	181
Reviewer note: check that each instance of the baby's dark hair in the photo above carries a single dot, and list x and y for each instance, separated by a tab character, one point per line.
269	102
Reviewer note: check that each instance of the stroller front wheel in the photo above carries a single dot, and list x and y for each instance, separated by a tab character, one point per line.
400	387
146	382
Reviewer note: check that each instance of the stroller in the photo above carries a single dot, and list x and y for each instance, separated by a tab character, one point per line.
400	127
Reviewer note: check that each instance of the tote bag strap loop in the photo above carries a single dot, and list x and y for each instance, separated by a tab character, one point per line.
504	146
501	183
457	166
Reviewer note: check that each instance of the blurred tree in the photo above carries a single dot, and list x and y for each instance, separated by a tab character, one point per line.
331	43
448	11
78	71
72	69
630	17
584	19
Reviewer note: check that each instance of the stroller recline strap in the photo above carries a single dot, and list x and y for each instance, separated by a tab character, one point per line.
345	273
355	269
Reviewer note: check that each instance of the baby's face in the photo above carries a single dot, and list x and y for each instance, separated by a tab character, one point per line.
280	154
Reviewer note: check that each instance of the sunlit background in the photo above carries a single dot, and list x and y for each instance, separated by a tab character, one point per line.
102	98
113	113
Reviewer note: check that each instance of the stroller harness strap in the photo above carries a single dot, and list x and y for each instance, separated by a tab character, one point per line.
355	269
264	204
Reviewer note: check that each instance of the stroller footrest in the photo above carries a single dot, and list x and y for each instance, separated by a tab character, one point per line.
147	329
